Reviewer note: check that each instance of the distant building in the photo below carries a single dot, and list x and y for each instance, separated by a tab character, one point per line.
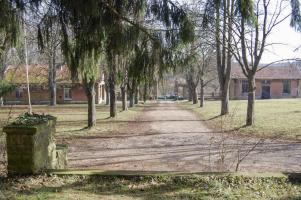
67	91
275	81
181	88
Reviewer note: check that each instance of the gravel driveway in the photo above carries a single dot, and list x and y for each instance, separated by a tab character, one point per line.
168	137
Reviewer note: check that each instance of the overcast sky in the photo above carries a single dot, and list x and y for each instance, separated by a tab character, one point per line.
290	39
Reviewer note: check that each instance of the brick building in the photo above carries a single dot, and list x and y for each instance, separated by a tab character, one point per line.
67	91
277	81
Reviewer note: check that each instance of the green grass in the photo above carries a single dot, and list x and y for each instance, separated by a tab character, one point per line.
273	118
150	187
72	119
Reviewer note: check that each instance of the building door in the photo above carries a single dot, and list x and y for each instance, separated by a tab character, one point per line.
266	94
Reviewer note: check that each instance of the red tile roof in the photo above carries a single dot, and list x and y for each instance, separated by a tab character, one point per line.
38	74
277	71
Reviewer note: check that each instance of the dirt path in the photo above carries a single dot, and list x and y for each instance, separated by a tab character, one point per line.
169	137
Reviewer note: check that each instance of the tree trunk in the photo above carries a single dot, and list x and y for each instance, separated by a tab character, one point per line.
131	94
194	95
145	93
202	99
107	88
225	92
189	93
113	106
1	97
90	92
53	94
131	99
136	95
52	79
26	66
251	100
157	89
131	87
124	98
224	102
223	56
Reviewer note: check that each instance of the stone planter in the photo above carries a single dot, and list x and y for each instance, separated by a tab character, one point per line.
30	148
61	156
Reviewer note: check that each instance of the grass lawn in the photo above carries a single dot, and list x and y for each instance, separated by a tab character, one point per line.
72	119
150	187
273	118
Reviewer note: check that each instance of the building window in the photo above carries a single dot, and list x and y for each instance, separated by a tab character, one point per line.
286	86
67	94
19	93
244	86
266	82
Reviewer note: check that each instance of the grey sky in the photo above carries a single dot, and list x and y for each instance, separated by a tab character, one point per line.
290	39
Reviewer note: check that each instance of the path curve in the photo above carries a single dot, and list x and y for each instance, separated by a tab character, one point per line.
169	137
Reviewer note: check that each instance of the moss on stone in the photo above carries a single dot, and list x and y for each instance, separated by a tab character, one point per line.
28	119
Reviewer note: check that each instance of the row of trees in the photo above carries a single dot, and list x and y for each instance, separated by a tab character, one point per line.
241	30
232	31
134	40
138	40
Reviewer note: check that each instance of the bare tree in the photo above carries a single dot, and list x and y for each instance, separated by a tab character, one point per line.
48	24
112	61
26	65
124	81
131	88
192	72
52	53
206	69
224	11
250	41
198	66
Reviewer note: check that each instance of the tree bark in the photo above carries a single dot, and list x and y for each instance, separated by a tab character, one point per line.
26	66
194	95
90	92
124	98
157	89
131	99
53	94
224	102
202	99
52	79
189	92
225	90
1	78
136	95
131	93
107	88
113	105
145	93
52	86
251	101
223	56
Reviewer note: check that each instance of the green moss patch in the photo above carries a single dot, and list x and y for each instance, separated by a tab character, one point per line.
28	119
